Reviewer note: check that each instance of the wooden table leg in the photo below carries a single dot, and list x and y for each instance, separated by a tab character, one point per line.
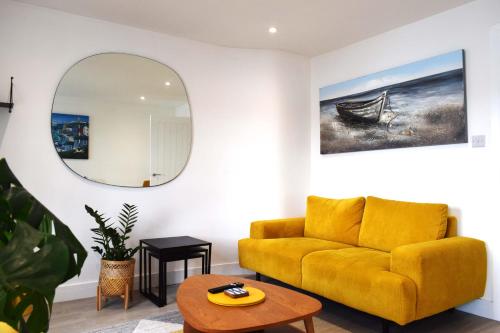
308	322
127	294
98	298
189	329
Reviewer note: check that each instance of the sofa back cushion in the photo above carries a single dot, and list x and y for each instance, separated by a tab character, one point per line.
334	220
388	224
451	227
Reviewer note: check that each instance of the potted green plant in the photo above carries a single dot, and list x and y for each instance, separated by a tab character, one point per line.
37	253
117	260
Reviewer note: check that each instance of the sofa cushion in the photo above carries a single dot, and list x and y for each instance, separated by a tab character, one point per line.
280	258
360	278
334	220
388	224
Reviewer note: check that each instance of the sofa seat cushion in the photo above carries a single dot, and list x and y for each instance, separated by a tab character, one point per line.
336	220
361	278
388	224
281	258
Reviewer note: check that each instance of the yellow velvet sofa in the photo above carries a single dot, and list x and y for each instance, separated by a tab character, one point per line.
400	261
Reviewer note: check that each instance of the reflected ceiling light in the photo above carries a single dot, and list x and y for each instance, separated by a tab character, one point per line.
272	30
167	83
142	98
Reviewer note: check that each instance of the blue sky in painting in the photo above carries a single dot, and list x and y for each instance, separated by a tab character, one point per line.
422	68
61	118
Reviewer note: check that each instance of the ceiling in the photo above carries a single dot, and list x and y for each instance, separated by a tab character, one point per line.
307	27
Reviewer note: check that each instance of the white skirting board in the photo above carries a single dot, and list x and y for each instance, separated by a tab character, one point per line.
480	307
78	290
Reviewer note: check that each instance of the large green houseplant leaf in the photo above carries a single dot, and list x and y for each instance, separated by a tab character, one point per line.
37	253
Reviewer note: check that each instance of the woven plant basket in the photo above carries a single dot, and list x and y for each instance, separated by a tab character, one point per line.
116	279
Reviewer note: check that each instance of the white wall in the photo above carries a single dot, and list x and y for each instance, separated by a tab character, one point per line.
4	119
465	178
250	142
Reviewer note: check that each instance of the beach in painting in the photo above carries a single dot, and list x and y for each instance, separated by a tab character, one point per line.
428	110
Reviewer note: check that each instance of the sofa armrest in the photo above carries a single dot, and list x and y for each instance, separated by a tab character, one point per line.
447	272
281	228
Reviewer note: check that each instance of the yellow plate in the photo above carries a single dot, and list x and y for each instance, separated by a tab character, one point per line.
4	328
256	296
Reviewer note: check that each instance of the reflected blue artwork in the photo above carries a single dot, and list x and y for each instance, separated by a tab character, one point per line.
70	134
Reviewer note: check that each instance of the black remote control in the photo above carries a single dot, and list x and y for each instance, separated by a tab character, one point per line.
220	289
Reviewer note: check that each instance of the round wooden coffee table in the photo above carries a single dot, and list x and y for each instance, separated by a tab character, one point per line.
281	306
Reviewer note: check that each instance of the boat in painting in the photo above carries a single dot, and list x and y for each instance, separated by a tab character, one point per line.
363	111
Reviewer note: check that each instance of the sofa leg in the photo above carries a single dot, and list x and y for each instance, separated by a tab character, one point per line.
257	276
385	326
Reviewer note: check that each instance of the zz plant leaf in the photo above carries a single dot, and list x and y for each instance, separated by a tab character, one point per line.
110	238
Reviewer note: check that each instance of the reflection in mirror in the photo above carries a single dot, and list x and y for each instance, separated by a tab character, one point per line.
123	120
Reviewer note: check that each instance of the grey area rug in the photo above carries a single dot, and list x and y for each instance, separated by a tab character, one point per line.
173	317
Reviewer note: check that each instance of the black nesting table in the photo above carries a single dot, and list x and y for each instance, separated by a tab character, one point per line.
165	250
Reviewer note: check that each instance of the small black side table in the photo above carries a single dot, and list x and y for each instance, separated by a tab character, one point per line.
165	250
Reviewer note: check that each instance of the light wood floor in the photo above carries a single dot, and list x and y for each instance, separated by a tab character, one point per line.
81	316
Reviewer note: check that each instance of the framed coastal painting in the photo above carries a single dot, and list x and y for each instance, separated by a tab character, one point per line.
70	134
418	104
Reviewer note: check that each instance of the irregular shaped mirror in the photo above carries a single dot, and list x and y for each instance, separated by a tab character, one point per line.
121	119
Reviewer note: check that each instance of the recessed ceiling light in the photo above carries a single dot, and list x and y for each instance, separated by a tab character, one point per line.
142	98
272	30
167	83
